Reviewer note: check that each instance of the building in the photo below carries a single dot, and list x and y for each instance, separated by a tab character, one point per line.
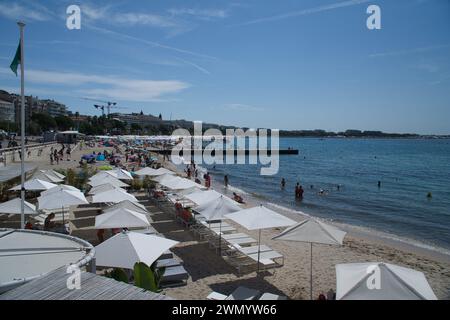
68	136
137	118
7	111
53	108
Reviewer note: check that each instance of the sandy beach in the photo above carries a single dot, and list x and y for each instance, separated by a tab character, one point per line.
209	272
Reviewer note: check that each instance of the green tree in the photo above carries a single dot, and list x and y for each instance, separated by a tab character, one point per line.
44	121
64	122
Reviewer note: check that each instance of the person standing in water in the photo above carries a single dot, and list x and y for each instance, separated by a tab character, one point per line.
283	183
297	188
225	181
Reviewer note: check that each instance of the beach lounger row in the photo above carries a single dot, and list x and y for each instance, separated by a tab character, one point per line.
244	293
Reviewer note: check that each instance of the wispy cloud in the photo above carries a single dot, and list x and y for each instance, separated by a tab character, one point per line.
107	14
408	51
428	67
104	86
148	42
204	14
15	11
305	12
196	66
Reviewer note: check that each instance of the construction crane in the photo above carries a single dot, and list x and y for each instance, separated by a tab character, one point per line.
108	105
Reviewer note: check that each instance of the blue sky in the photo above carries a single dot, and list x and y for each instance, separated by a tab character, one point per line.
277	64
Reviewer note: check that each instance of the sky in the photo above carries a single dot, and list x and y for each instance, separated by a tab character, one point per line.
280	64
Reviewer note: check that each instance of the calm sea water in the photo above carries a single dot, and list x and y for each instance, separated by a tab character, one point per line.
407	169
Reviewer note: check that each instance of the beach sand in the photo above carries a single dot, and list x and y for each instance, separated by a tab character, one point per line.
209	272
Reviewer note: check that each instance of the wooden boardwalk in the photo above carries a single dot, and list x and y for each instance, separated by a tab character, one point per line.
53	286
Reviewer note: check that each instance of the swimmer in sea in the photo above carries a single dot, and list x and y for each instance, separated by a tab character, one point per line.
283	183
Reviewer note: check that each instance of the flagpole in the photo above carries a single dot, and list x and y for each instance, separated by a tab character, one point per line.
22	129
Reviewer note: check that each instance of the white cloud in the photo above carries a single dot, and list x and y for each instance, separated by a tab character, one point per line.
306	11
200	13
106	86
15	11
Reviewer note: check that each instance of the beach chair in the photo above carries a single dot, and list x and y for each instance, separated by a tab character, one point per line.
271	296
174	276
216	296
166	263
243	293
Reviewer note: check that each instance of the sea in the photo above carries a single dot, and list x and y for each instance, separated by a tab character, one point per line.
397	187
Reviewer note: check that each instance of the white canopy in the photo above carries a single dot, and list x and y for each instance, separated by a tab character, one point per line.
100	175
164	177
107	179
61	199
260	217
104	187
312	230
217	208
121	218
59	188
127	204
47	177
162	171
202	197
126	248
13	207
381	281
53	173
120	174
113	196
179	184
189	190
147	171
35	185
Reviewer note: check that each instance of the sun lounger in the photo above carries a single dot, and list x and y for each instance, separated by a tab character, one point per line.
234	236
166	263
174	276
243	293
252	249
242	241
216	296
271	296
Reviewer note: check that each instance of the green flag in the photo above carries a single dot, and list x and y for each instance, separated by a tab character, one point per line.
16	61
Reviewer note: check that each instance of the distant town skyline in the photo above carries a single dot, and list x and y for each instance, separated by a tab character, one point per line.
289	65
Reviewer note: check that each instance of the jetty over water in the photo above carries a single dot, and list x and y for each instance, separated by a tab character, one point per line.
245	152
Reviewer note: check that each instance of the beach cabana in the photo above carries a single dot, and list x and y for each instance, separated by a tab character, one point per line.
35	185
14	207
179	184
113	196
53	173
47	177
103	187
59	188
161	171
147	171
381	281
120	174
216	210
121	218
258	218
202	197
61	199
312	231
127	204
107	179
126	248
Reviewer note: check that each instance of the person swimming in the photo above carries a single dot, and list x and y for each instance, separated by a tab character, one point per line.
283	183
